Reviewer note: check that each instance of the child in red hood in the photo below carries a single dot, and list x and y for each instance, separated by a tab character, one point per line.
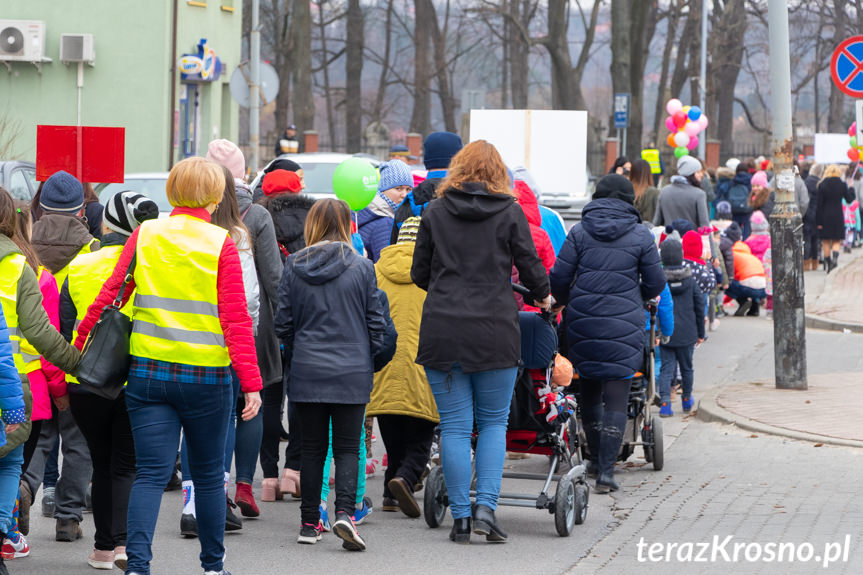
527	201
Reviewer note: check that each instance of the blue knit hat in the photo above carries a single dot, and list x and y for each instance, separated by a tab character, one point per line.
439	148
62	192
394	174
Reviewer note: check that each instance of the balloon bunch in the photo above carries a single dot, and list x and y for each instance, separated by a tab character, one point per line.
684	123
856	151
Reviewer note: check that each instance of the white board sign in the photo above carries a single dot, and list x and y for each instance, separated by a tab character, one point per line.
551	144
832	148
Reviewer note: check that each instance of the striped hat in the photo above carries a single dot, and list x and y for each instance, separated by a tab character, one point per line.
125	211
408	231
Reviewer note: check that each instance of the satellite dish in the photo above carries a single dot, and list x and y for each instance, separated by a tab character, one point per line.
240	84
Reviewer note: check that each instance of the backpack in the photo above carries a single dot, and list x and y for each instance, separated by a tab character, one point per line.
738	197
722	191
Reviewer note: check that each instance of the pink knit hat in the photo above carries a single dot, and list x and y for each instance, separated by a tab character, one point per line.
759	179
227	154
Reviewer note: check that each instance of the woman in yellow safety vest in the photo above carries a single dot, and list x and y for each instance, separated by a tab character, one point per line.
190	326
30	330
104	422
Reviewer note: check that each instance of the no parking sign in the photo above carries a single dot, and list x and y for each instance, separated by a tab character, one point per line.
846	66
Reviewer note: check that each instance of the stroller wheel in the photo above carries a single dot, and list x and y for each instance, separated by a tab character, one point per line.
647	439
582	497
435	500
564	507
658	443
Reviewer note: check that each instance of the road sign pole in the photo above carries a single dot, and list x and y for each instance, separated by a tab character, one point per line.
254	87
789	327
702	80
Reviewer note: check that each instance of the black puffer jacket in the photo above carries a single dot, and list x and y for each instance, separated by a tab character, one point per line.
729	237
607	268
332	324
688	307
289	213
466	245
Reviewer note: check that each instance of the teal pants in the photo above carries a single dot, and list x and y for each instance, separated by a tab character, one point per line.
361	475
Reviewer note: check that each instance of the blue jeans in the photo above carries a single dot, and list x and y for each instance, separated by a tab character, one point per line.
671	358
460	396
741	292
158	410
10	477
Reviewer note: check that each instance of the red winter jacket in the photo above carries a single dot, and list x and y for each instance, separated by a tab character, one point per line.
527	200
233	311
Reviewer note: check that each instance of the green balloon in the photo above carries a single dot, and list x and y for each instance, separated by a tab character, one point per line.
356	182
853	141
680	151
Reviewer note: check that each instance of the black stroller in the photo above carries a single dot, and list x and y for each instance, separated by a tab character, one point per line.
642	426
529	431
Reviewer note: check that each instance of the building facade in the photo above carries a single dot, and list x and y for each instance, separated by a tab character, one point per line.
162	78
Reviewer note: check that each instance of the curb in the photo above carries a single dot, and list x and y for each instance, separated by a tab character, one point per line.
818	322
711	412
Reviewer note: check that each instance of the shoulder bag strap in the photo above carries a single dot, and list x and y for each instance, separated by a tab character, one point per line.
119	299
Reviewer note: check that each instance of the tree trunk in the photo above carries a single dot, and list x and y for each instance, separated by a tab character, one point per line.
621	51
304	103
505	57
440	69
835	119
421	116
354	46
681	70
328	93
726	58
518	58
282	43
578	102
662	89
557	45
643	18
385	65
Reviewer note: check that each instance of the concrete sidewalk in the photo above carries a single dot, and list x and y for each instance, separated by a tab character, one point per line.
835	301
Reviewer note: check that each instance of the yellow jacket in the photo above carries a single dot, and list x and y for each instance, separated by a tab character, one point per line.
401	388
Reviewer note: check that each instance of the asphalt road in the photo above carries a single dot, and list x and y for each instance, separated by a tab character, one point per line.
717	480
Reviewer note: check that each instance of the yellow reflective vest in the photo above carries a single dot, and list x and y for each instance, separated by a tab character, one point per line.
60	276
87	273
176	312
651	156
25	356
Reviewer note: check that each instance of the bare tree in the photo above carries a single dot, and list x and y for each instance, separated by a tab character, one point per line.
353	73
301	61
672	20
421	116
835	119
725	47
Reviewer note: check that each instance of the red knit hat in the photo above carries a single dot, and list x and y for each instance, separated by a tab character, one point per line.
282	181
692	247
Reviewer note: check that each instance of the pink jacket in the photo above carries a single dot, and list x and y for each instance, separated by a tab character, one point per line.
759	244
49	381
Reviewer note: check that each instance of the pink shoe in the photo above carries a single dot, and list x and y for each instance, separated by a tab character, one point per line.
290	482
120	558
384	461
270	490
101	559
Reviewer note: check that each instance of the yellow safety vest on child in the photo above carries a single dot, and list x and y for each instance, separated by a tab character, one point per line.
25	356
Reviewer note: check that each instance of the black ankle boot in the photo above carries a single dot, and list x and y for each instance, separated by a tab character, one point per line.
484	523
460	532
609	447
835	260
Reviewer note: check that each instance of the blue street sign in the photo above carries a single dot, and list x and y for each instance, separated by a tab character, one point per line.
621	111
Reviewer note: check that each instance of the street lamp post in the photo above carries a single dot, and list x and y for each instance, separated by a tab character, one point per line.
789	318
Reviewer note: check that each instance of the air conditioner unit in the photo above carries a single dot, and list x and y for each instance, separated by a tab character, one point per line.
77	48
22	40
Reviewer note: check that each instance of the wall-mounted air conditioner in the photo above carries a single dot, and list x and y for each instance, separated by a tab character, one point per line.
22	40
77	48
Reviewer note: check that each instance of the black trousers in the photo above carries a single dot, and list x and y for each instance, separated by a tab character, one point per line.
30	445
314	418
272	399
106	428
408	442
603	414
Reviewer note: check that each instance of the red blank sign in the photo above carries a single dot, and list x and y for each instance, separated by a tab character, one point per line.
89	153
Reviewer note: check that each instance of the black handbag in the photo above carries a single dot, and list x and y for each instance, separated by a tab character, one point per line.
104	366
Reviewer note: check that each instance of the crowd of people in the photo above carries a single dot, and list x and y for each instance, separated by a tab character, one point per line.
249	305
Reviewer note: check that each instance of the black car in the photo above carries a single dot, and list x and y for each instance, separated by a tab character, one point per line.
19	179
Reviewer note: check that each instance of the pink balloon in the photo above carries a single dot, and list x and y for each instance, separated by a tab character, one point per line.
692	128
852	131
681	139
703	121
669	123
693	143
673	105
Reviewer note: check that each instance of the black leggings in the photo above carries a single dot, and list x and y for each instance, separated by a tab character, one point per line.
272	403
603	413
347	422
30	445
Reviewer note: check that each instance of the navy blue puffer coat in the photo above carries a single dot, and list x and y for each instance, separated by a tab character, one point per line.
607	268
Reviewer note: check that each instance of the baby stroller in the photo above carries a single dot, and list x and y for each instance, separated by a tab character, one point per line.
537	425
642	426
